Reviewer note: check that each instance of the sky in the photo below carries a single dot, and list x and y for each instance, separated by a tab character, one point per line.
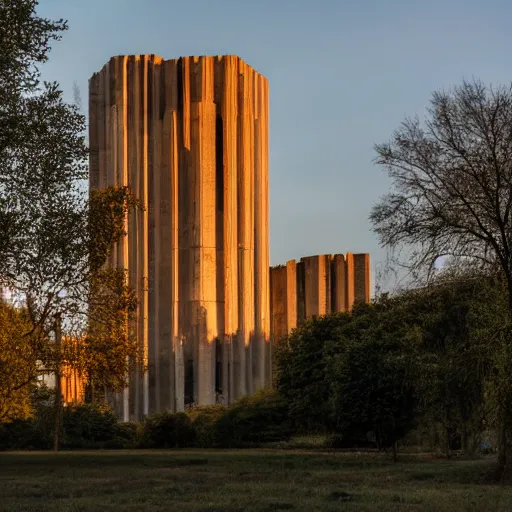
343	74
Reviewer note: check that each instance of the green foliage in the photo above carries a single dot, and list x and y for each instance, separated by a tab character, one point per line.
107	213
125	435
255	419
451	196
18	363
204	421
109	348
423	357
302	370
371	392
460	317
88	426
85	426
168	430
34	432
54	237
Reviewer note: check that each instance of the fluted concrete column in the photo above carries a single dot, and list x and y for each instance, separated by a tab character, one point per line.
349	280
229	113
279	301
291	295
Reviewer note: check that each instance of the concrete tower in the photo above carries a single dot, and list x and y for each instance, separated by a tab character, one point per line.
316	286
190	138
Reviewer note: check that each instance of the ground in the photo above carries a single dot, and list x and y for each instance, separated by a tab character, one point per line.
252	480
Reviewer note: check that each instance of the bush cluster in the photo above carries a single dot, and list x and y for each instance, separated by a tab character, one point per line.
251	421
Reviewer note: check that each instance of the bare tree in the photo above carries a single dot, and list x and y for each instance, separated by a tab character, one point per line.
452	196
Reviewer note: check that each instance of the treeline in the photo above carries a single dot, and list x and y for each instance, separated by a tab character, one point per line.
417	367
251	421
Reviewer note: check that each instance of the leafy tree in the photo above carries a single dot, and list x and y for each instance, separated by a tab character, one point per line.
372	391
302	370
55	239
458	315
452	196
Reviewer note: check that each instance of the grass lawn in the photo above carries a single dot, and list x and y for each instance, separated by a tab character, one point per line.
260	480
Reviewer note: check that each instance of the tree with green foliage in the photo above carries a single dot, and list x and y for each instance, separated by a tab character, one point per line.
302	372
56	238
459	315
371	387
452	196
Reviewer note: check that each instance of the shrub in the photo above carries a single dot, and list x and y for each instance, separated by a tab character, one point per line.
126	435
87	426
204	420
255	419
168	430
34	433
22	435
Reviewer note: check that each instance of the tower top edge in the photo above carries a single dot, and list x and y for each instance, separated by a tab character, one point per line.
156	59
346	256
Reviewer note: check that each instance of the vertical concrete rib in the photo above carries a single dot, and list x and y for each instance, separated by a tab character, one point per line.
177	366
133	231
291	296
349	281
186	190
173	377
145	230
125	182
338	283
266	359
261	227
101	124
361	277
229	112
94	112
278	279
158	350
203	120
245	232
312	286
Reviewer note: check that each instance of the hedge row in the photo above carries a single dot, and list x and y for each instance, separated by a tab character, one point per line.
251	421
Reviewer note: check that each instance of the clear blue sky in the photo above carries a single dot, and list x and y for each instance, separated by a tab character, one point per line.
343	74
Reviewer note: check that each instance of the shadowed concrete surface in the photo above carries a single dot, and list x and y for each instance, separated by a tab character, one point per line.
190	138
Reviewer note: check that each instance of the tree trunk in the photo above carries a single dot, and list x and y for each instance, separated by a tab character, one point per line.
394	452
58	390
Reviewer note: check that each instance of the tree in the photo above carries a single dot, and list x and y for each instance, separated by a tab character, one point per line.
302	370
55	239
25	42
372	391
452	196
458	314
